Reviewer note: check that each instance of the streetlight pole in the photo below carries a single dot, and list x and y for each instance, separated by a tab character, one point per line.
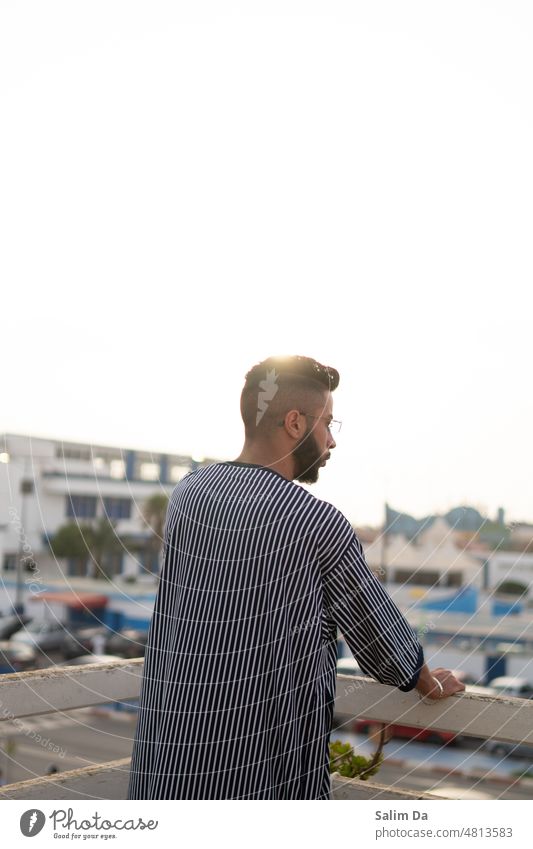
26	488
384	543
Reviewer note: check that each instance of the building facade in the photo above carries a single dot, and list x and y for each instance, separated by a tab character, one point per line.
48	483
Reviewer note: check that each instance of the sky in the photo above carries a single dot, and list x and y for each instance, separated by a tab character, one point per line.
188	188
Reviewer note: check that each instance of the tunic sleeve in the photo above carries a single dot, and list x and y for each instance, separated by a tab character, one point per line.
378	635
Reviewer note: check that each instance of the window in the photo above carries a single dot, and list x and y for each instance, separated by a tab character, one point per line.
117	508
454	579
421	577
77	567
10	562
66	453
81	506
149	471
117	469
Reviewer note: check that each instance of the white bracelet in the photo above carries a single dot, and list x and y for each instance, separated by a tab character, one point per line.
441	688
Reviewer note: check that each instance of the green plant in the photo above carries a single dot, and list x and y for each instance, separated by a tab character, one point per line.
523	773
511	588
342	759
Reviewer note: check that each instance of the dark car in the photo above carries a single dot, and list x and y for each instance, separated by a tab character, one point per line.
515	750
130	642
9	625
16	658
80	641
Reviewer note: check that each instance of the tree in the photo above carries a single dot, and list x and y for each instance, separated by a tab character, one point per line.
99	542
104	544
154	513
73	541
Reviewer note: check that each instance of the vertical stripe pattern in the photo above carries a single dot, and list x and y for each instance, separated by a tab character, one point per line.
238	685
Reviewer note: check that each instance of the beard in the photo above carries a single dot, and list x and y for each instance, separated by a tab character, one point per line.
307	459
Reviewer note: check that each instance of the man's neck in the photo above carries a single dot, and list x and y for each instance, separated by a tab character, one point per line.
258	456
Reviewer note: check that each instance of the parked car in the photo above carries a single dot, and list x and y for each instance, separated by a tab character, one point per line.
80	641
44	636
479	690
16	658
9	625
515	750
128	642
348	666
506	685
409	732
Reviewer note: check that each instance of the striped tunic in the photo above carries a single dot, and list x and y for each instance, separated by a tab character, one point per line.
238	687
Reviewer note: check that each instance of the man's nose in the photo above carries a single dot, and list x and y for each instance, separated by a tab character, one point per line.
331	441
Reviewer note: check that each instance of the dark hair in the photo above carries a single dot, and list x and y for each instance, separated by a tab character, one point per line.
275	385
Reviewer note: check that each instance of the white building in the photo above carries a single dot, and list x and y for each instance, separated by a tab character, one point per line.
433	560
513	566
46	483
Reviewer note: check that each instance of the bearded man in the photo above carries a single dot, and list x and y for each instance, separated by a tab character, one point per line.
258	578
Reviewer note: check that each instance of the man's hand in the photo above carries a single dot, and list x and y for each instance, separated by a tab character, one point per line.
429	688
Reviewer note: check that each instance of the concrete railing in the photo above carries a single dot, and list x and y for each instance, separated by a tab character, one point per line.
46	691
487	717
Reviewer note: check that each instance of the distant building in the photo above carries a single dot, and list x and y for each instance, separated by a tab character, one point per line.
467	519
510	567
432	559
46	483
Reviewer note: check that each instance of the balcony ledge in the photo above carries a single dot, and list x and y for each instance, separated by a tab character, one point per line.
47	691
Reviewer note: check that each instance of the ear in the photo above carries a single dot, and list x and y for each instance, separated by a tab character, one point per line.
295	424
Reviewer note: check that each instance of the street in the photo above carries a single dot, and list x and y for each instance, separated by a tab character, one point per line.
74	739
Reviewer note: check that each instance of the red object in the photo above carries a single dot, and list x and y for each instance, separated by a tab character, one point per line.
425	735
76	601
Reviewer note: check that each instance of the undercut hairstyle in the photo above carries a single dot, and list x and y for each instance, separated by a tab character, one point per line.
279	384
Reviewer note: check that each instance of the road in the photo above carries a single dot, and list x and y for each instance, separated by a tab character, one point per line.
69	740
94	735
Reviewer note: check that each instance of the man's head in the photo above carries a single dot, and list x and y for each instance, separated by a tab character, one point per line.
286	407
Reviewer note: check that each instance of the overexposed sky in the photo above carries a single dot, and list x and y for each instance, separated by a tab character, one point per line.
187	188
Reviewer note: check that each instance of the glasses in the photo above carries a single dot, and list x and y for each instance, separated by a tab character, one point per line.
334	426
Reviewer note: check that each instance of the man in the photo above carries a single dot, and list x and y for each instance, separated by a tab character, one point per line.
239	676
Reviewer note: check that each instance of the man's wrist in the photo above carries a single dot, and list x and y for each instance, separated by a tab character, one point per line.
437	686
427	683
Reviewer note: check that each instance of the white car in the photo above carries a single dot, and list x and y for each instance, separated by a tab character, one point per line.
506	685
42	635
479	690
348	666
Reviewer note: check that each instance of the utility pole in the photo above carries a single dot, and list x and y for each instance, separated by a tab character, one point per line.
384	543
26	488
